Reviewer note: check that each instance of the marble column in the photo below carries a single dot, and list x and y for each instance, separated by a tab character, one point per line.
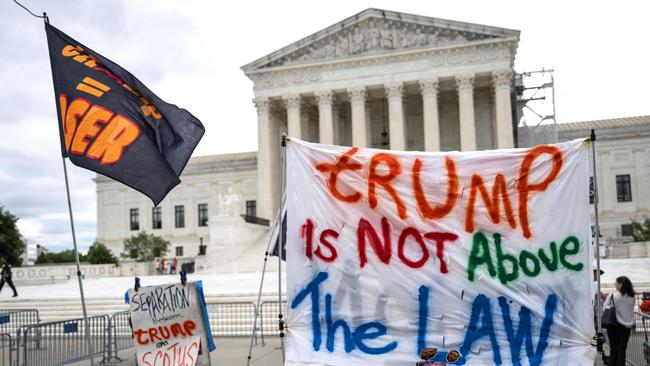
336	121
429	90
306	113
294	122
504	136
465	86
266	140
360	130
325	116
368	106
396	125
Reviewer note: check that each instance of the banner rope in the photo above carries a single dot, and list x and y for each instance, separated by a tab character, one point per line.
44	16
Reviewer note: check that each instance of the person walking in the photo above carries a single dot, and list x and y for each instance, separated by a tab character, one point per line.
6	275
172	266
622	300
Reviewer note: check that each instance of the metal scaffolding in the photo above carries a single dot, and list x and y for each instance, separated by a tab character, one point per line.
535	107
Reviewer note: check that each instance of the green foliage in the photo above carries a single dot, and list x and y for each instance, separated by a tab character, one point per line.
65	256
98	253
144	247
641	230
11	242
43	258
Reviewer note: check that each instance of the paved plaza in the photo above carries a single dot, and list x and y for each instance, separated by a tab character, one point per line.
230	352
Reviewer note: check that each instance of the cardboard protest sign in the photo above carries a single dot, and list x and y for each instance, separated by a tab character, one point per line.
170	325
180	352
457	258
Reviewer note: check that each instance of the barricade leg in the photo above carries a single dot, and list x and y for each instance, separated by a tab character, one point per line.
118	337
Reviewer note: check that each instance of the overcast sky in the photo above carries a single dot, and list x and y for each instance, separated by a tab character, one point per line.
190	52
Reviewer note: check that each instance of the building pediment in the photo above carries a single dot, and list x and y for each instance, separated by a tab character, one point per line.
376	32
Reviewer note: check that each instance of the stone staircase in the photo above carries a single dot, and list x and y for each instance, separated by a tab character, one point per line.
62	309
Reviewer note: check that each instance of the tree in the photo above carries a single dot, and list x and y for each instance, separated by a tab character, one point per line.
641	231
144	247
43	258
98	253
11	242
64	256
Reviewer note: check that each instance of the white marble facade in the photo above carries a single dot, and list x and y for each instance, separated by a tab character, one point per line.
223	183
387	80
622	150
377	79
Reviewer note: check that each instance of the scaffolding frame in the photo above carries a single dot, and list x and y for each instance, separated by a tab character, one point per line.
535	107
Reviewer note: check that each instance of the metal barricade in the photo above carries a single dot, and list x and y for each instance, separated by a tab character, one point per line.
12	319
61	342
231	319
269	318
638	347
638	300
119	336
6	349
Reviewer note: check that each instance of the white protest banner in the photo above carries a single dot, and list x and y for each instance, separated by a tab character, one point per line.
166	321
457	258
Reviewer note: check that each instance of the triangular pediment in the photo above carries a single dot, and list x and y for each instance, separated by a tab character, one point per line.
375	32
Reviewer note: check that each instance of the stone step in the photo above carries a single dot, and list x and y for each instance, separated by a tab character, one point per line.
70	308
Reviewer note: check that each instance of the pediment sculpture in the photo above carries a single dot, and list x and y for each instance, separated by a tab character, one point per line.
376	36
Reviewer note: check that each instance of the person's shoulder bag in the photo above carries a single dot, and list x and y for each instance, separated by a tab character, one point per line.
608	319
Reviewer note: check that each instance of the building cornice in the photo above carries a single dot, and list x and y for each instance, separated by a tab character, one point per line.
389	57
438	62
383	15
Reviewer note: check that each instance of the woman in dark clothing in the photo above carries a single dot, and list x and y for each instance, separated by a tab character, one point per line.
619	334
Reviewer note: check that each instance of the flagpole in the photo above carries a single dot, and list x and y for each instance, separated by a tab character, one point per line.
283	170
259	294
599	310
46	19
76	257
74	241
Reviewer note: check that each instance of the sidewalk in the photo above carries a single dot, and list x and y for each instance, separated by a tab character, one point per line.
234	352
229	352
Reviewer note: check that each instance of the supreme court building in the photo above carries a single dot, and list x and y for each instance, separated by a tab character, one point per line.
377	79
384	79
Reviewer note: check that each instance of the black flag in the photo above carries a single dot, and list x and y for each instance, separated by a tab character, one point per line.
276	239
275	233
111	123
